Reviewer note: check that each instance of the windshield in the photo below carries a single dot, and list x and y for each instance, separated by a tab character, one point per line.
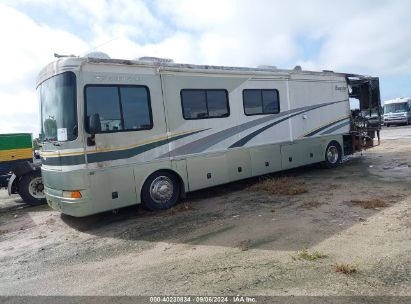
396	108
58	108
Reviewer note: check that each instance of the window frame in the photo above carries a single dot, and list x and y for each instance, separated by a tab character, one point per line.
199	118
262	90
118	86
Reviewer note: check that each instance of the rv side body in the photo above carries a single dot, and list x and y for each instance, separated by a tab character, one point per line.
110	170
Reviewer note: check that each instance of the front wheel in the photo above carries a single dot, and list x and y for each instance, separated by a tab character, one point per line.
31	188
333	155
160	191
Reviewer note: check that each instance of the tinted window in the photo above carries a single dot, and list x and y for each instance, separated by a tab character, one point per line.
194	104
217	103
136	110
105	102
252	102
261	102
199	104
119	107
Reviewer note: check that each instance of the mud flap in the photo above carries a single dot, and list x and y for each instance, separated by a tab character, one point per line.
11	187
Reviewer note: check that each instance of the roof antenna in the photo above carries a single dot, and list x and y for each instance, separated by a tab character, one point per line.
98	46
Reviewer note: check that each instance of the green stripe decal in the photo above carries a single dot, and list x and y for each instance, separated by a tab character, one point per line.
71	160
324	127
250	136
15	141
329	131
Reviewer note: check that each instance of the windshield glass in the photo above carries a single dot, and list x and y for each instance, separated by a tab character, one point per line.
58	108
396	108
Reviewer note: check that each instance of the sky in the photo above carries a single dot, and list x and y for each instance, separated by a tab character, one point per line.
370	37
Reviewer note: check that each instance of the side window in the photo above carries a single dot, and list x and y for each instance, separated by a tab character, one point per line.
200	104
120	108
136	109
259	102
104	101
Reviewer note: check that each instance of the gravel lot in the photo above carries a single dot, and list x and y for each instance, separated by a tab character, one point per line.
230	239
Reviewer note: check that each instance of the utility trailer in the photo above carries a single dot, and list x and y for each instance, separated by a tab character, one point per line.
19	171
121	132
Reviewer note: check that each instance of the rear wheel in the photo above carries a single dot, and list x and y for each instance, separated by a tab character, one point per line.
31	188
160	191
333	154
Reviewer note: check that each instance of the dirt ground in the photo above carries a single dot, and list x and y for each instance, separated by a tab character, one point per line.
228	240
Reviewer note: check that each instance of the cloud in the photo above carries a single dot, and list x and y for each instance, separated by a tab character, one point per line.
20	112
353	36
25	49
350	36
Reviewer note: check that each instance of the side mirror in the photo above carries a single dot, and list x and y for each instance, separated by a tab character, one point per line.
94	124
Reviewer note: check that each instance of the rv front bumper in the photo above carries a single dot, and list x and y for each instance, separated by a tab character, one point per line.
395	120
77	207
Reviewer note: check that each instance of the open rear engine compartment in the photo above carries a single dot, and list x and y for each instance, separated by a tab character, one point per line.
365	121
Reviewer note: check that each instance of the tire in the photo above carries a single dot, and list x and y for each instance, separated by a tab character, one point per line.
160	191
333	155
31	188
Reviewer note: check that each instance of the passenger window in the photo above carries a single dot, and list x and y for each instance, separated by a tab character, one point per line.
136	110
258	102
120	108
200	104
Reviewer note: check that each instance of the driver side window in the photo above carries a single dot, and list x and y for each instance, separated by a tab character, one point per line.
118	108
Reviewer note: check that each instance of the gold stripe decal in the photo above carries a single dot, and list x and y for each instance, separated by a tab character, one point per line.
57	154
113	154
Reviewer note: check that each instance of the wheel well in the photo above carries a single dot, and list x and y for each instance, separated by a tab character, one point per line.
336	143
180	180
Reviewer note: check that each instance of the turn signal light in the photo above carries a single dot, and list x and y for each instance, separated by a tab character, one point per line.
72	194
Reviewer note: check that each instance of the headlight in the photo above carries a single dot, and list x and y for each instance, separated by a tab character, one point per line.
71	194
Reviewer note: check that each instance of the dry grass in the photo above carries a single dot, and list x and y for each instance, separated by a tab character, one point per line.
281	185
244	245
309	256
310	204
345	268
181	208
3	232
370	203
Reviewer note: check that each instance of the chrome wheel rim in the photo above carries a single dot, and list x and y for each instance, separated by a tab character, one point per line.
161	189
36	188
332	154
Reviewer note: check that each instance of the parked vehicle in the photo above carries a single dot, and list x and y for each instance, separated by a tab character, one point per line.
397	111
118	132
18	172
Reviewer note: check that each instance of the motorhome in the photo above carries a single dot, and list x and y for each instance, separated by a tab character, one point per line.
121	132
397	111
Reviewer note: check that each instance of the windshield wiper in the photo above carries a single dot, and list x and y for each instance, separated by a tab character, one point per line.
52	140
